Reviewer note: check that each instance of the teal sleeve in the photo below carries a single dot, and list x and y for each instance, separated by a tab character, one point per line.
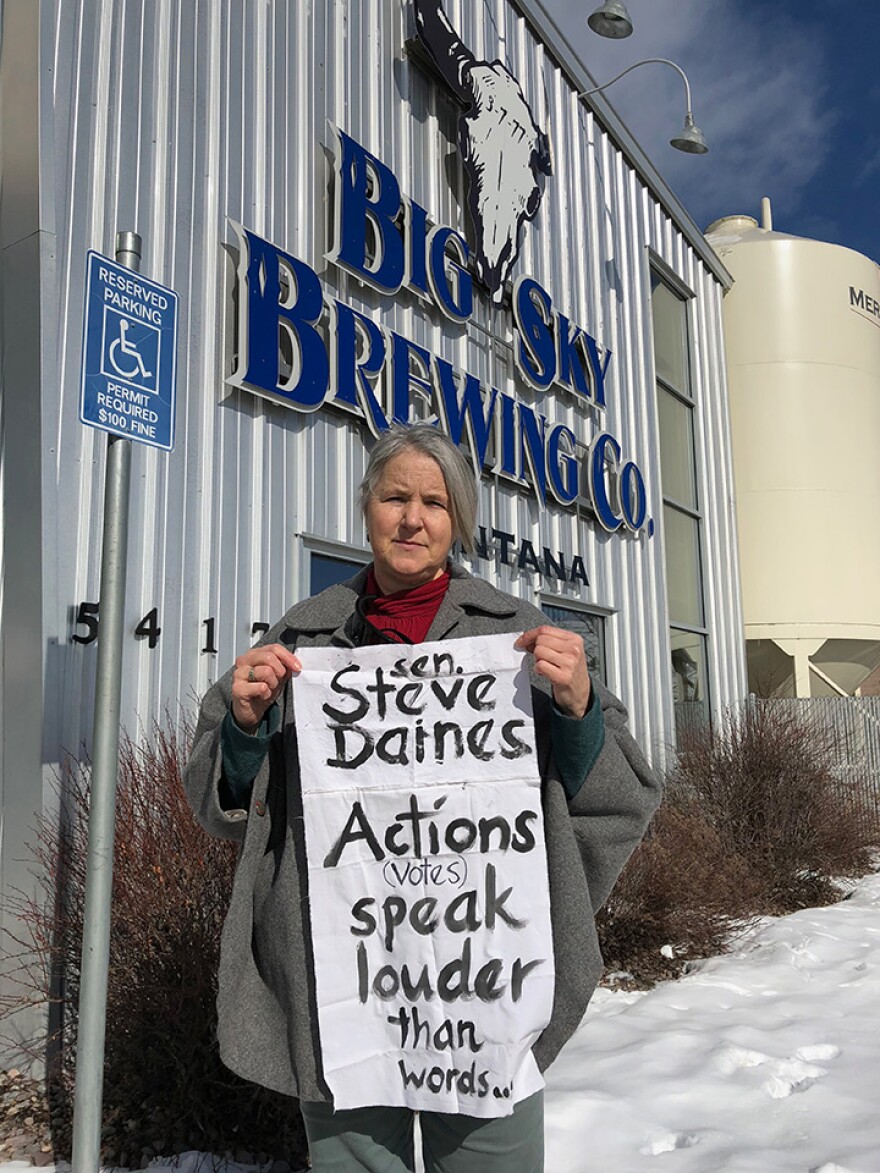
577	742
242	755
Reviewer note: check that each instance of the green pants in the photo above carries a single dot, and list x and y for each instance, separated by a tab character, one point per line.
380	1140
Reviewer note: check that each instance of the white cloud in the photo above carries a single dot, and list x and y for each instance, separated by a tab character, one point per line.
760	97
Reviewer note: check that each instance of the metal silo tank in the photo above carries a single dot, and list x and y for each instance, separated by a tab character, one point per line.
802	326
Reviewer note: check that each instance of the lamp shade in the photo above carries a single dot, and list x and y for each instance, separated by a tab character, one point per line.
611	19
690	138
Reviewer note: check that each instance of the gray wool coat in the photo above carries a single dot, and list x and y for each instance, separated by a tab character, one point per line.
268	1025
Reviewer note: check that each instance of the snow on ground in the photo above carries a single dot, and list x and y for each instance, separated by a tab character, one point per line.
766	1060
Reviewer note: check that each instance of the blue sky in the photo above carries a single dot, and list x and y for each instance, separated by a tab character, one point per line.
787	93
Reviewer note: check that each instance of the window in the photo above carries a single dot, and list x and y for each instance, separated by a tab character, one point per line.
325	571
677	448
682	517
688	680
683	579
589	626
670	335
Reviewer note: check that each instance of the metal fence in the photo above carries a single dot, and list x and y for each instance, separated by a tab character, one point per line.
851	726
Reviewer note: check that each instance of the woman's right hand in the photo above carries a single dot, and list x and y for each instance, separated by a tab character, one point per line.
257	681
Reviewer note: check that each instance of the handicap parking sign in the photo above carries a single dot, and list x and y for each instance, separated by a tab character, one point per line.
129	354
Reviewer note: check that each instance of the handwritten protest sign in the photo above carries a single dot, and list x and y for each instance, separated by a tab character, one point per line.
429	900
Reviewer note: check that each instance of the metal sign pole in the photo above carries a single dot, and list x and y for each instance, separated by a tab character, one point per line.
102	806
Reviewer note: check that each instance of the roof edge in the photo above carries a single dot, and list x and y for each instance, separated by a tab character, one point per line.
561	48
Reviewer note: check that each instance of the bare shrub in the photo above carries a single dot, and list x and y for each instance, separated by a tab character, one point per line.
765	783
754	822
680	889
165	1089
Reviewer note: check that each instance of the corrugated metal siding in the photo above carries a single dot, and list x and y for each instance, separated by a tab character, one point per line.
172	115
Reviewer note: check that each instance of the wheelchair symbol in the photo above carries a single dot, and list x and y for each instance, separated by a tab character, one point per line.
130	350
130	354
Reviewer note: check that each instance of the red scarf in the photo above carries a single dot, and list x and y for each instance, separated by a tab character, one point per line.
408	614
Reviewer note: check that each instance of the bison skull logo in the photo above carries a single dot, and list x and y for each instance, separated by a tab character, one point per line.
505	154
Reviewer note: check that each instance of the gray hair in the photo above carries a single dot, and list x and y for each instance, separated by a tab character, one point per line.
456	468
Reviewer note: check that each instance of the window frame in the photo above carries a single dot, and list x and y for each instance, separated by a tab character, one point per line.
312	544
565	603
660	272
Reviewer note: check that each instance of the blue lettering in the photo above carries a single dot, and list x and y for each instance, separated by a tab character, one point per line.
572	361
465	411
633	496
604	443
536	348
354	377
374	243
506	463
550	348
368	243
453	291
533	448
417	228
562	465
283	353
404	379
270	307
599	367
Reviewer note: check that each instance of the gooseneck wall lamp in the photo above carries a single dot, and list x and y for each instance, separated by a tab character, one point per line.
612	20
690	138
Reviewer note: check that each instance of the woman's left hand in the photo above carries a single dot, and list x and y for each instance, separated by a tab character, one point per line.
559	656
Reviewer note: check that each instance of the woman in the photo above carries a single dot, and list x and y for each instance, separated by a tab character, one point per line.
418	496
